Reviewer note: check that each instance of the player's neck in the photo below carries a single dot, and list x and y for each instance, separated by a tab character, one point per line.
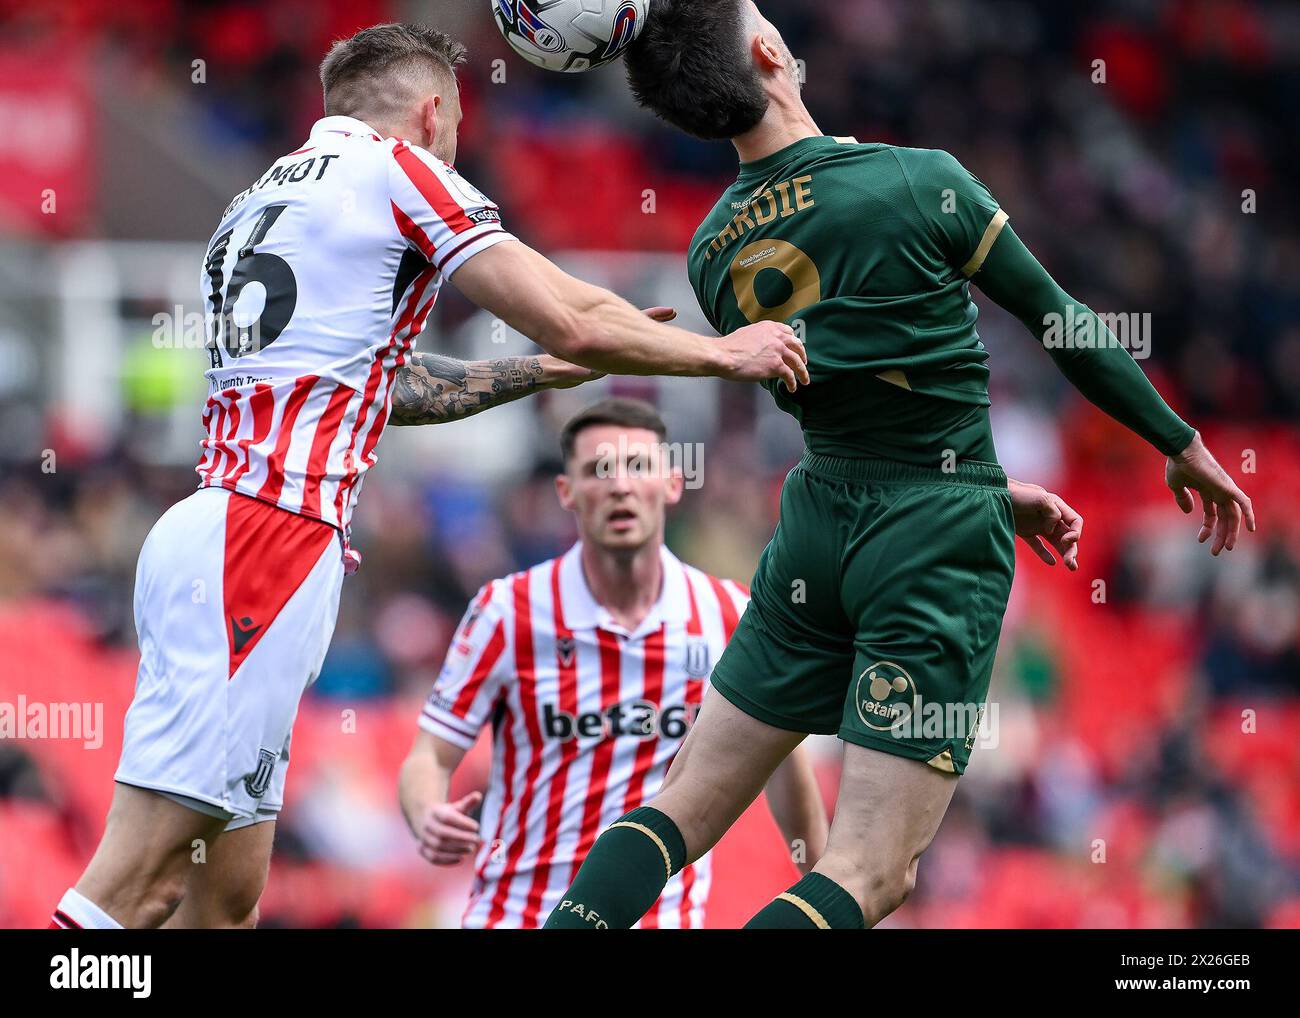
625	584
787	121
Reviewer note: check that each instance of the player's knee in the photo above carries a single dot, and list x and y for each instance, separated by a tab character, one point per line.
231	908
242	910
236	907
892	888
159	898
878	887
885	892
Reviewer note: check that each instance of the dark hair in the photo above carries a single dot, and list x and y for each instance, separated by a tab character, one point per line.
620	411
352	72
690	66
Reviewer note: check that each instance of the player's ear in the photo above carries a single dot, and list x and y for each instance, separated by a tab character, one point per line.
767	55
564	489
429	119
674	487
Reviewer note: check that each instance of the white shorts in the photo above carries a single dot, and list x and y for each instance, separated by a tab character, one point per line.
235	605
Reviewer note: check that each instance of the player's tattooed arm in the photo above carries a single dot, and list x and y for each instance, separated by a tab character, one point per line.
433	389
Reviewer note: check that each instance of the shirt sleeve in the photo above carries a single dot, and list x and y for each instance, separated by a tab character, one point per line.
472	676
438	211
1102	369
960	214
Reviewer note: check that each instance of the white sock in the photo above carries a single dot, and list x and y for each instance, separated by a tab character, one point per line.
84	913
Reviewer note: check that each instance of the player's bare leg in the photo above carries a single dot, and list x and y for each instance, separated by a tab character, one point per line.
138	873
888	811
221	893
722	766
724	763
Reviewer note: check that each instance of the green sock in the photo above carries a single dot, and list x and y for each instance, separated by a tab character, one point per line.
623	874
814	903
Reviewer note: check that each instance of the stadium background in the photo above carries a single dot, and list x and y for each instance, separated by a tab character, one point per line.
1121	719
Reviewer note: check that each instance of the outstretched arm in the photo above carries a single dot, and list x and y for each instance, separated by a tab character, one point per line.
593	327
432	389
1104	372
970	230
1089	356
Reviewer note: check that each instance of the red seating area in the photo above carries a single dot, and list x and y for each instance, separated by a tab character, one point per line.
1124	678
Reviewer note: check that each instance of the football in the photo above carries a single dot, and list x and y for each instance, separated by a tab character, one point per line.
570	35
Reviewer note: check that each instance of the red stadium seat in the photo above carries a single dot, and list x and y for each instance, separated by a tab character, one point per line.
40	862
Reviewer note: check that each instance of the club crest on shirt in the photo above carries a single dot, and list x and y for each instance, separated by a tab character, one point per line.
566	651
697	659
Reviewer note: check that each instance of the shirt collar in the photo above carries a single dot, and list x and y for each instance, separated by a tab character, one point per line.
582	611
777	160
343	125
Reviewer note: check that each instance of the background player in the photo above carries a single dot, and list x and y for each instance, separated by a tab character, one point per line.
897	523
318	280
590	668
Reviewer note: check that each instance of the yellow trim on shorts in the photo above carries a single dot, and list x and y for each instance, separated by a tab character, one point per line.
668	860
943	762
805	908
986	243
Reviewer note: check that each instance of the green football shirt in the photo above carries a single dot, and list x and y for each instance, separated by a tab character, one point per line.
867	251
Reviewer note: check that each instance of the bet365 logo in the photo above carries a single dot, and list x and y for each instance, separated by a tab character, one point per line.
638	719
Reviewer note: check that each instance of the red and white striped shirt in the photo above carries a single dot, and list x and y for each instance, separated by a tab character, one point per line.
317	283
586	718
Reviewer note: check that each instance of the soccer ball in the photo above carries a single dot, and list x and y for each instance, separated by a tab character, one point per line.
570	35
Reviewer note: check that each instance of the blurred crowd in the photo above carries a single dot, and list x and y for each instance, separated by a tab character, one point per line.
1148	765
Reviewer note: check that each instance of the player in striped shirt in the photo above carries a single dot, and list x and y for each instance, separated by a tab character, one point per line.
589	669
317	282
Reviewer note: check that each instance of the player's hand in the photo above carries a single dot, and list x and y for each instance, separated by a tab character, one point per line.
561	374
448	833
1046	523
767	350
1223	504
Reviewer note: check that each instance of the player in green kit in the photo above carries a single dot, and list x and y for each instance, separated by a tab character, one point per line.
878	603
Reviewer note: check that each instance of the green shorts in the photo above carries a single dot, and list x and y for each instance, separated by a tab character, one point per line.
877	606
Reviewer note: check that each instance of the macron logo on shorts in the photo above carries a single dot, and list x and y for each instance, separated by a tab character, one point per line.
269	553
241	632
